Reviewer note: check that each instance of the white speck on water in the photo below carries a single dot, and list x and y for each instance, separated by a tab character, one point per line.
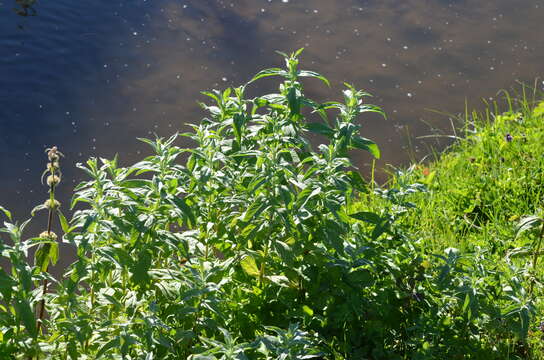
285	1
405	47
224	79
384	65
135	33
409	95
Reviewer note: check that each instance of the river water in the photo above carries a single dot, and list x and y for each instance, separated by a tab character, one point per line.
92	76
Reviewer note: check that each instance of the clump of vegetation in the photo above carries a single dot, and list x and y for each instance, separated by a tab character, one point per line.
262	246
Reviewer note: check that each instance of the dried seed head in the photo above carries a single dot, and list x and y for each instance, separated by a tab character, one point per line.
53	154
53	166
53	180
49	235
51	204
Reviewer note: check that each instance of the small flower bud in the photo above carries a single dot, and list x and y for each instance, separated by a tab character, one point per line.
53	166
49	235
51	204
53	154
53	180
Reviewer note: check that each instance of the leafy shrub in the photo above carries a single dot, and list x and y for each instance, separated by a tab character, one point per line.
249	250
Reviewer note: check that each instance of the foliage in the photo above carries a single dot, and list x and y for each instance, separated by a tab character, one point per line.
255	244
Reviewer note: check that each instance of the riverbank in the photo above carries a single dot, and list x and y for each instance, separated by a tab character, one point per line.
257	244
484	196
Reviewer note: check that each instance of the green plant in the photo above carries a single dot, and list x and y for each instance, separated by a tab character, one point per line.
259	245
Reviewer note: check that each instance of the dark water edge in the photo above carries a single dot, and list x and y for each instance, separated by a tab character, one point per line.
92	76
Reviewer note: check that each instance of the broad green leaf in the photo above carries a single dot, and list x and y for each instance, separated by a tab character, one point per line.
294	101
42	256
320	128
254	210
54	253
357	181
114	343
141	267
366	216
25	313
366	144
250	266
186	209
6	284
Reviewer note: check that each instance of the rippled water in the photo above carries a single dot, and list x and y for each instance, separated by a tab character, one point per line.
91	76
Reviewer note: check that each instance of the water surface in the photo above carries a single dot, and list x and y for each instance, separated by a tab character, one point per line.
92	76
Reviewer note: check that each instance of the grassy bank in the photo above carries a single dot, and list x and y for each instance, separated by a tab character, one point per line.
483	197
262	245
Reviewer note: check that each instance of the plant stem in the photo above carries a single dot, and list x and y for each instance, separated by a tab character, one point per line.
49	224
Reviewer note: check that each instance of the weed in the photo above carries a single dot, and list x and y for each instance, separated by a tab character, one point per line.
262	245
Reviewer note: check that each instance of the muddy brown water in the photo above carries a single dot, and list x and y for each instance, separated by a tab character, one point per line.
92	76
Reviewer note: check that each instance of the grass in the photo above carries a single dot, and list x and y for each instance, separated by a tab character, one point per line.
480	191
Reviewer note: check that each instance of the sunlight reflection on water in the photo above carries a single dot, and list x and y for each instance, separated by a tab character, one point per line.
90	77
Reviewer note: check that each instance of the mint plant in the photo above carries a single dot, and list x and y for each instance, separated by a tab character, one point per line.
256	243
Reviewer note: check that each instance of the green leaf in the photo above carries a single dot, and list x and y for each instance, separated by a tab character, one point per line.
185	209
294	101
368	217
357	181
250	266
528	223
306	73
109	345
371	108
140	268
320	128
41	257
63	222
466	302
254	210
269	72
6	212
25	313
366	144
307	310
54	253
136	183
6	283
37	208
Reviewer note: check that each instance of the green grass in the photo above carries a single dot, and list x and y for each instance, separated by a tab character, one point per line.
480	190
